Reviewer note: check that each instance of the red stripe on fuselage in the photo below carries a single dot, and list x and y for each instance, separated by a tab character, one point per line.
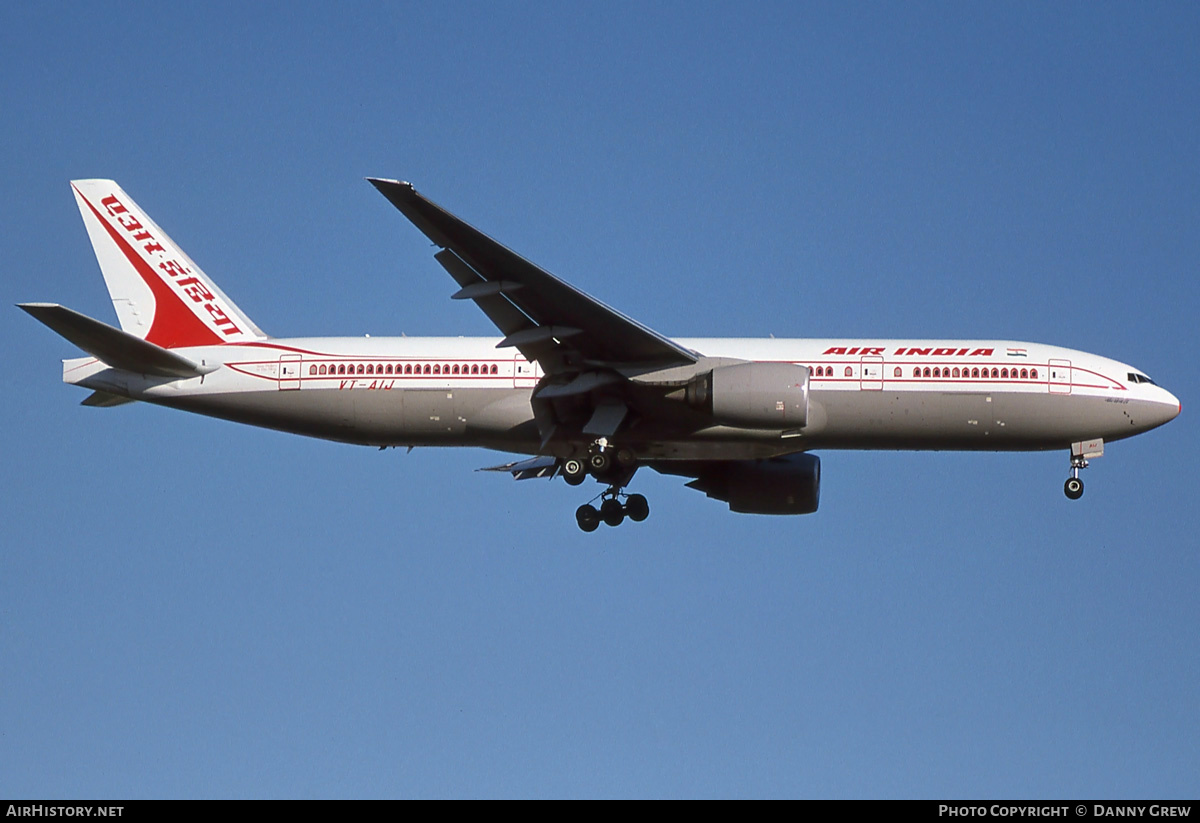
174	324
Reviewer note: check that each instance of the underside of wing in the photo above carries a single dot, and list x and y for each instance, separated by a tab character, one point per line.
527	469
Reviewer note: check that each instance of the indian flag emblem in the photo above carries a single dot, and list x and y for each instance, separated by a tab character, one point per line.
1018	353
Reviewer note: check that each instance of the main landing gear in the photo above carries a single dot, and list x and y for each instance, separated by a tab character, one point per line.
611	511
615	467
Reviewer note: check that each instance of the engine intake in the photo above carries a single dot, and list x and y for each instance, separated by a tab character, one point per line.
753	395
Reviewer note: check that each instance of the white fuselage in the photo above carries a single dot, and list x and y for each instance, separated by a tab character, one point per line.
897	394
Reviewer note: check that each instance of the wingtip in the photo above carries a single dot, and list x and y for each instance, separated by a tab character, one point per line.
383	182
34	308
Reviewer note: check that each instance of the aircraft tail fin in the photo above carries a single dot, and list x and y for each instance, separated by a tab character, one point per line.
117	348
160	294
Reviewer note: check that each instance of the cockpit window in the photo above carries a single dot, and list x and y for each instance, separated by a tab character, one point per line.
1134	377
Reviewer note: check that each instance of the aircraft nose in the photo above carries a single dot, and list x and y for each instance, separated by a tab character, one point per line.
1168	408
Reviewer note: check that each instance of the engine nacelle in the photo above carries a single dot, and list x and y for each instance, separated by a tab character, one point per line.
779	485
754	395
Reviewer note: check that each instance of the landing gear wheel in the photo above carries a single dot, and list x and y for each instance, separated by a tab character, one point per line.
612	512
626	458
637	508
574	471
600	462
1073	488
587	517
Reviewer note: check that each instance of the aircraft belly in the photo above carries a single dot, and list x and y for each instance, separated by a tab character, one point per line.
325	414
964	421
398	417
502	419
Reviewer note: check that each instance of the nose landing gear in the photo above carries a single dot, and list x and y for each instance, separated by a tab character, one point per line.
1073	488
1081	452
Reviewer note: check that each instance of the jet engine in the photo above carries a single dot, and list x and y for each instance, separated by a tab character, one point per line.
753	395
778	485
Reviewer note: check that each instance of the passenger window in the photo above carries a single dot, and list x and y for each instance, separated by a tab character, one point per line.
898	372
995	373
342	369
849	371
370	369
1033	374
917	372
926	372
456	368
493	368
937	372
956	371
1024	374
1004	373
322	368
974	372
437	369
312	369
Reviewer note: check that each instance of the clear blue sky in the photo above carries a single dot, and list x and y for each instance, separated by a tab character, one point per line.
192	608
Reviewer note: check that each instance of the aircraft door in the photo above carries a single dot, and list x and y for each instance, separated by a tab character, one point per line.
289	371
1060	376
524	373
871	374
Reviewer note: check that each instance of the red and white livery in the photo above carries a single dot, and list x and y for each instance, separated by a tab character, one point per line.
579	388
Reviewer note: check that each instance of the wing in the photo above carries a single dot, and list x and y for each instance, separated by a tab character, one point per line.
544	318
527	469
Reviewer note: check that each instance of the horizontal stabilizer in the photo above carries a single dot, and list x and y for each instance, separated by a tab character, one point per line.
118	349
105	400
527	469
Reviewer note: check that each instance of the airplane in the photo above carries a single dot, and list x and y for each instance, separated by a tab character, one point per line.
578	388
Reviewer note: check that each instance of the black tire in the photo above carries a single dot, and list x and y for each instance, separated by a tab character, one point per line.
574	471
626	458
637	508
612	512
1073	488
600	463
587	517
